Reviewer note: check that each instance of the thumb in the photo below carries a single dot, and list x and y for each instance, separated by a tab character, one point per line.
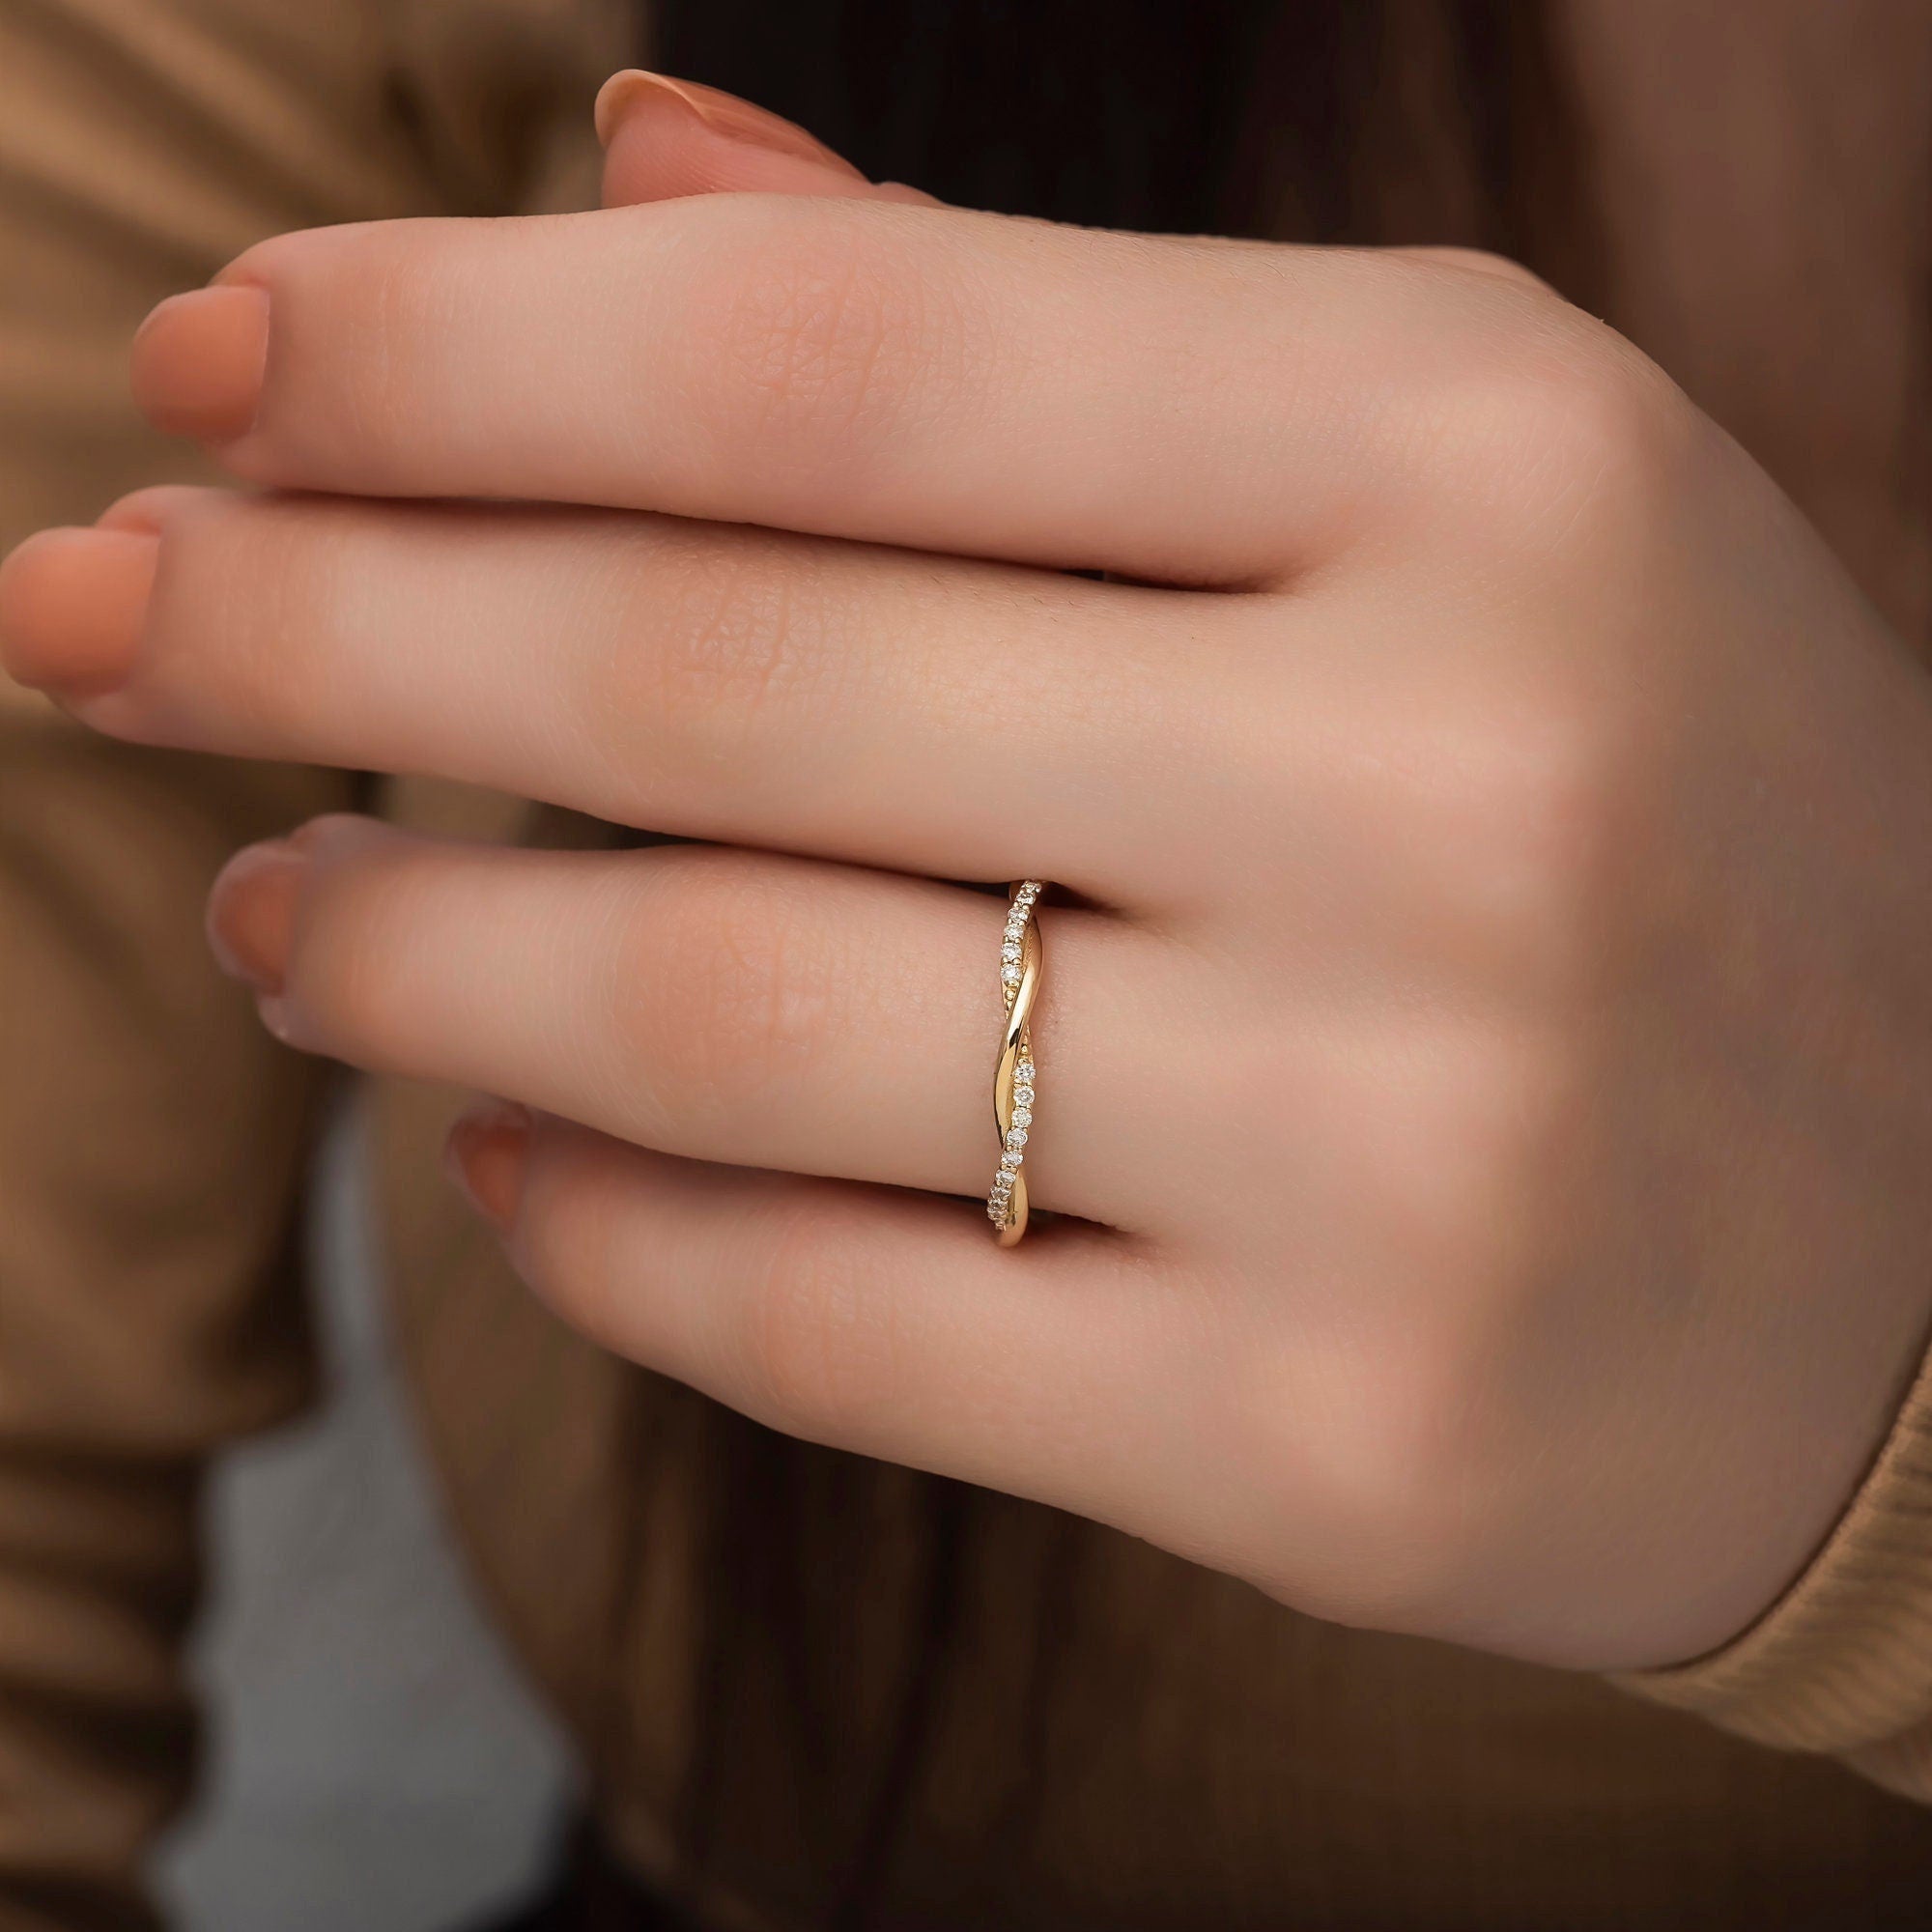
664	138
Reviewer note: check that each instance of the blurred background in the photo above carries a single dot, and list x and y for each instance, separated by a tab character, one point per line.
374	1760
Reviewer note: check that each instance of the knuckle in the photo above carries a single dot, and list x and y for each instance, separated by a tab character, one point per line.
737	997
1474	1132
1529	805
1563	435
817	337
734	631
1402	1430
1377	1464
1506	1113
817	1348
1533	831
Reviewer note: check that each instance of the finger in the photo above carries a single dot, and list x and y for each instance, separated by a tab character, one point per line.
884	1324
962	719
665	138
722	1005
1178	410
1476	262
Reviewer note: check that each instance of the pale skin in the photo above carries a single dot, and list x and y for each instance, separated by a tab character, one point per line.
1486	1059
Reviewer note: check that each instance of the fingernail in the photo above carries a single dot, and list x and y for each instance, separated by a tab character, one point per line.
251	913
486	1153
198	360
73	604
631	92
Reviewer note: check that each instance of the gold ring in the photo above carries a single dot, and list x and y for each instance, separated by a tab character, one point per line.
1021	957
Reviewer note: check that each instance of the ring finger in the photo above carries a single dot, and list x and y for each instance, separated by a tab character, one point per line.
734	1006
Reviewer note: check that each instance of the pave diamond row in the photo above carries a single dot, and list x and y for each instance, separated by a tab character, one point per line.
1013	1083
999	1203
1024	901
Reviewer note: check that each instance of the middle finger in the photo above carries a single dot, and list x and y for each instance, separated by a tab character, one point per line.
930	714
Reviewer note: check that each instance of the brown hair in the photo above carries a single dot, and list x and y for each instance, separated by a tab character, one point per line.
1439	120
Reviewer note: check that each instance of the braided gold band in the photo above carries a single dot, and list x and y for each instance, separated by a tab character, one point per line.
1021	957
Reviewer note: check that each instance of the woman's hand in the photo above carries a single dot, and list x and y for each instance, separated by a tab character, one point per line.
1486	1068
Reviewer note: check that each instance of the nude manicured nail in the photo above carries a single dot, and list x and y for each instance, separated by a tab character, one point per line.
634	92
486	1153
198	362
73	604
251	913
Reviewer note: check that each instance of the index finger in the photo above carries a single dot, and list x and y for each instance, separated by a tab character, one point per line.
925	377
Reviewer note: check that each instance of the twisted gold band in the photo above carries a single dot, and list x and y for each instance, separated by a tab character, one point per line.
1021	957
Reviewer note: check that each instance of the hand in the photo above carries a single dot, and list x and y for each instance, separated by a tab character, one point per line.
1485	1062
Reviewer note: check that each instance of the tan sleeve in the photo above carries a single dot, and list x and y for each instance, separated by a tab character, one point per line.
152	1138
1842	1662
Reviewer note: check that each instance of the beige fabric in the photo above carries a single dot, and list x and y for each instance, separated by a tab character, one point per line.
1844	1661
150	1140
816	1693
